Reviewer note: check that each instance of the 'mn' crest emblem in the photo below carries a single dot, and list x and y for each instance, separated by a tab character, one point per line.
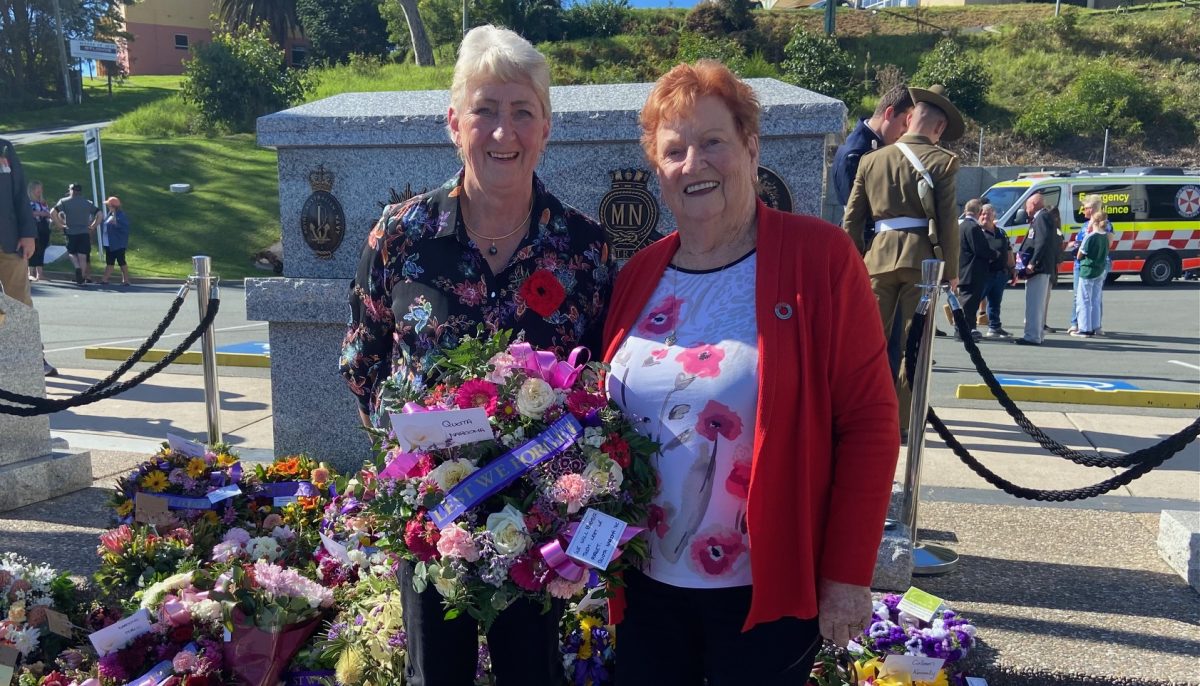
322	220
628	212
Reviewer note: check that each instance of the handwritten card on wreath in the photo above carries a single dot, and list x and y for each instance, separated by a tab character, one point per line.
596	540
426	430
182	445
917	667
119	635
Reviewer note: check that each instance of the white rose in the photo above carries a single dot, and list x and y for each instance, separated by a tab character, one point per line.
448	474
263	547
605	478
508	531
357	557
534	398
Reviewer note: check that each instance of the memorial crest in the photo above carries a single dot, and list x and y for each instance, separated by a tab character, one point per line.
773	191
322	220
628	212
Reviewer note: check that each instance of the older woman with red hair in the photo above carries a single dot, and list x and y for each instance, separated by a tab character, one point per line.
747	343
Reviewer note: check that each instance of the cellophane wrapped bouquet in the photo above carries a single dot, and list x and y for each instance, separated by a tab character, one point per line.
553	432
947	636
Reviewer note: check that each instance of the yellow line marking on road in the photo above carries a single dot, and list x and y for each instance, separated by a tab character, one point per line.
1175	400
189	357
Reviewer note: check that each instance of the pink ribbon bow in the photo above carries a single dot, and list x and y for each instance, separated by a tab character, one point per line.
545	365
555	553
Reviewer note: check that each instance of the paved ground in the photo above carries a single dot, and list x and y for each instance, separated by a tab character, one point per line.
1063	593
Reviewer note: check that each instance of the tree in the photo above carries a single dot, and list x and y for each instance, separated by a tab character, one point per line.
422	50
964	76
29	62
239	76
337	28
280	15
817	62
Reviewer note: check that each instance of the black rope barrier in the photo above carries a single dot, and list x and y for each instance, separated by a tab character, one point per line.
1140	462
48	406
993	384
19	399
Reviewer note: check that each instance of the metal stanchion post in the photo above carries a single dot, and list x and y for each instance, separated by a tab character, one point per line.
206	288
927	559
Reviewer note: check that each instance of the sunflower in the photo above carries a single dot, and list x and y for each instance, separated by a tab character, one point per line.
225	460
196	467
155	481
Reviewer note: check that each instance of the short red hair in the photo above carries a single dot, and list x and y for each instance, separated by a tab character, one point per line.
676	92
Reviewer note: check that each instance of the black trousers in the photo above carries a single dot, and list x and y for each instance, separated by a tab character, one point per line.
675	636
970	298
523	641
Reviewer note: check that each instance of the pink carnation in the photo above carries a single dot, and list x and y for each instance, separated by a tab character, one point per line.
572	491
581	403
457	542
565	589
184	662
477	393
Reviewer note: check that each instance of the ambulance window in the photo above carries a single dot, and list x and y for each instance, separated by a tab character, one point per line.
1163	201
1051	195
1119	201
1002	198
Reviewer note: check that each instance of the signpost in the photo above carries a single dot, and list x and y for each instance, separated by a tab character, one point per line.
93	156
93	50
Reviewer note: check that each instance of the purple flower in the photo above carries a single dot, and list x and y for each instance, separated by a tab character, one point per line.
111	668
335	631
398	640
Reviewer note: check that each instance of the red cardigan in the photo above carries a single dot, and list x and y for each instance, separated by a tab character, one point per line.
826	434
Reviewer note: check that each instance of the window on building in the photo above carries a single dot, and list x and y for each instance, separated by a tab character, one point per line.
181	41
299	55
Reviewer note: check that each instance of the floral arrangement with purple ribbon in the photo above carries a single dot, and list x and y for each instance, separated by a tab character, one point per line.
488	521
184	480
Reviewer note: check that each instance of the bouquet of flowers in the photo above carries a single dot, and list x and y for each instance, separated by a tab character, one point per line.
947	636
367	641
184	480
588	644
487	518
290	478
135	557
27	592
273	611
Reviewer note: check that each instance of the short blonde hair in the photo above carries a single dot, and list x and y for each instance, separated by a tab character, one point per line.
1094	201
488	53
676	92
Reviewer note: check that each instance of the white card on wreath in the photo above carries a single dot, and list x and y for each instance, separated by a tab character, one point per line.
182	445
437	429
917	667
119	635
596	539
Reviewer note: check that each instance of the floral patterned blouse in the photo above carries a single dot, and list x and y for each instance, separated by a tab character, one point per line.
423	284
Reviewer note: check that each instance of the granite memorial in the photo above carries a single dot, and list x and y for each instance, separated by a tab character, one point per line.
31	468
342	158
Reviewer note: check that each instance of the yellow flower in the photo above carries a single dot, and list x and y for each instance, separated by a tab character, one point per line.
125	508
349	668
941	680
586	624
211	517
225	460
196	467
154	482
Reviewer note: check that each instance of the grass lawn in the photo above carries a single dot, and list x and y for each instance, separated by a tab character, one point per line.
97	104
231	213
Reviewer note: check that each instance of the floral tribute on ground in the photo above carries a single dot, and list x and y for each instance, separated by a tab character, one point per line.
487	517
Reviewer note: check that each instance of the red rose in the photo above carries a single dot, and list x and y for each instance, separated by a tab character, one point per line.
55	679
421	537
543	293
617	449
183	633
196	680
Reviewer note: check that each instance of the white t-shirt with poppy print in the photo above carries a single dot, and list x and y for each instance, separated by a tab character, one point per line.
697	398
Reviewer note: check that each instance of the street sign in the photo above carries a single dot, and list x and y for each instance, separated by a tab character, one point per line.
91	145
1061	382
93	50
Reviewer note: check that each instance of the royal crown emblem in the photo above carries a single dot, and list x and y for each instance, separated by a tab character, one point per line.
628	212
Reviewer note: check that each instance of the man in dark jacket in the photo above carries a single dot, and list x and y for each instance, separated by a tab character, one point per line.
17	228
974	260
1040	253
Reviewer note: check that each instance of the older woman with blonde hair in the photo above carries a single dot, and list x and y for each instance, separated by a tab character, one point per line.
749	344
491	247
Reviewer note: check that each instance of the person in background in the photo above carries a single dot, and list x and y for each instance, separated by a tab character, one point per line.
41	217
1039	258
116	228
80	217
974	264
884	127
492	247
1001	271
1091	204
1093	265
18	231
749	343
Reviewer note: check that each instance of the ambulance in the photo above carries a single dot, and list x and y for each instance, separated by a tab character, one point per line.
1155	213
